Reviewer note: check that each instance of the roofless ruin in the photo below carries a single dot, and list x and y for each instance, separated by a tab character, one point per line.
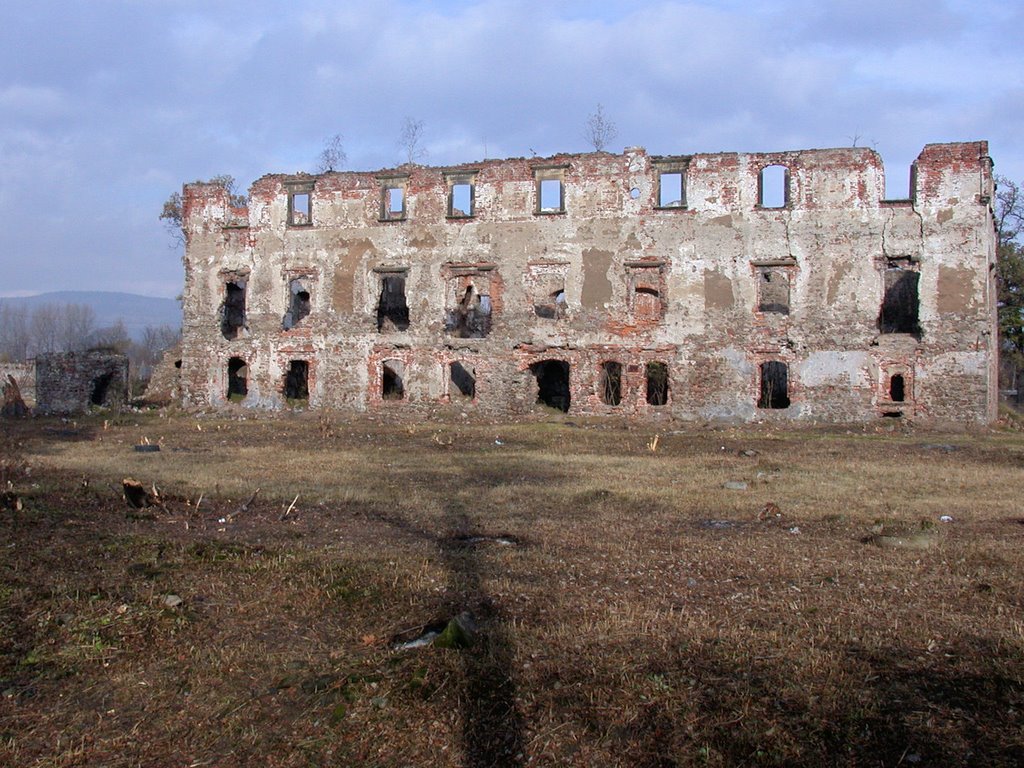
708	286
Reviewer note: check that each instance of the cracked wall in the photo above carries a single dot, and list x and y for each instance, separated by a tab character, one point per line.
600	262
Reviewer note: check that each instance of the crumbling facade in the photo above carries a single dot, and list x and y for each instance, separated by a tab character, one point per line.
73	382
709	286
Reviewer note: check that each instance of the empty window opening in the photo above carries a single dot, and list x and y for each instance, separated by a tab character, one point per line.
774	385
892	414
460	200
896	388
773	291
101	389
393	204
392	380
238	379
610	383
553	307
552	383
232	319
471	319
670	190
899	184
463	380
657	383
299	303
550	195
299	209
773	187
392	309
296	382
900	303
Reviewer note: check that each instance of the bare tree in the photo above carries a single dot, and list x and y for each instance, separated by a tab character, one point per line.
410	140
45	329
332	157
147	352
15	337
77	323
600	130
172	211
113	337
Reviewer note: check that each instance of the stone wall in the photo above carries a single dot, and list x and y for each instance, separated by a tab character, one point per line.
164	387
72	382
710	286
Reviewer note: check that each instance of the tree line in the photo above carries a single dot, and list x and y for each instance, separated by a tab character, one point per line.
1009	215
27	332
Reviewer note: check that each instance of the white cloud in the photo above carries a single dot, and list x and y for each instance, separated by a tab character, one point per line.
116	104
30	102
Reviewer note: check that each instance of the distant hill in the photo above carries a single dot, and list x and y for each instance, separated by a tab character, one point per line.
136	311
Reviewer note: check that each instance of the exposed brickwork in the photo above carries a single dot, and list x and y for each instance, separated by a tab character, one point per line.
608	276
71	382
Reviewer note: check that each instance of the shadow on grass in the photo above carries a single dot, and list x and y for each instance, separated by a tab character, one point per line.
492	730
492	726
883	706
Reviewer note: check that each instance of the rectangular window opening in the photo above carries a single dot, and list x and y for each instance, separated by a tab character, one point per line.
610	383
460	200
471	318
299	209
393	201
897	388
670	190
392	380
232	311
463	380
296	383
773	186
550	196
392	308
656	375
773	291
299	303
900	302
552	306
774	385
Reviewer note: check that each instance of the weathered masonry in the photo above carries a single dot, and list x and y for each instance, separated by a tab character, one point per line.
710	286
72	382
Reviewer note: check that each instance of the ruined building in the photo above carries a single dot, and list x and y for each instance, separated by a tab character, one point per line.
73	382
709	286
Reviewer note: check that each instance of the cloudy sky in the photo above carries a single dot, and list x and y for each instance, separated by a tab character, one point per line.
106	107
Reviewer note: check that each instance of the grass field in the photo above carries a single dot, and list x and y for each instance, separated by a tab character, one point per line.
714	597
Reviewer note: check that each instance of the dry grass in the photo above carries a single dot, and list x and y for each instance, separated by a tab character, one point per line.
647	617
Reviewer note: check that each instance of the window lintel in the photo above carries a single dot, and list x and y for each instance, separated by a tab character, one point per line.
549	167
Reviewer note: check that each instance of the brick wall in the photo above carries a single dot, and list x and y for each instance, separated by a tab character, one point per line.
640	282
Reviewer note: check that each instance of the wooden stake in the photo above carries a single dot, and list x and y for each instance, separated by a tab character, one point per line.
290	507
